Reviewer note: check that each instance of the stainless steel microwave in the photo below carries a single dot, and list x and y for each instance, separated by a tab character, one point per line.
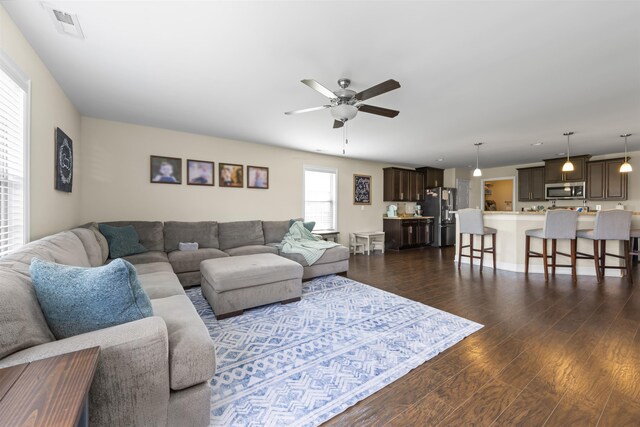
565	191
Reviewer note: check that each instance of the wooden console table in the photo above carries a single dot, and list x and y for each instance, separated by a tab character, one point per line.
48	392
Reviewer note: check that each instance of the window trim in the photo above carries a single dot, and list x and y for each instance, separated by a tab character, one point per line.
8	66
325	169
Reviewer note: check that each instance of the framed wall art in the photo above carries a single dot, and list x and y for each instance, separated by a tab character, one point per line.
200	172
166	170
64	162
257	177
361	189
230	175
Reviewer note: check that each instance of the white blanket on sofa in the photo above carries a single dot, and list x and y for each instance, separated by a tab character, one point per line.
299	240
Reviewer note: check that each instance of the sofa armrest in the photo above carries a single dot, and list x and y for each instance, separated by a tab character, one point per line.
131	383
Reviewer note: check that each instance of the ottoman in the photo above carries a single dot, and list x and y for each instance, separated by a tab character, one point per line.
233	284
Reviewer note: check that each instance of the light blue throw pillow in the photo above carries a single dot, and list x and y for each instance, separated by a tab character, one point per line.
122	241
76	300
308	225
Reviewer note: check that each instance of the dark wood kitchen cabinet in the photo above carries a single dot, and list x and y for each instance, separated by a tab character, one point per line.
433	177
605	182
531	184
407	233
403	185
553	170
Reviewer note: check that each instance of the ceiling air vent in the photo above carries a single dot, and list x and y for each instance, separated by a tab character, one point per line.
65	23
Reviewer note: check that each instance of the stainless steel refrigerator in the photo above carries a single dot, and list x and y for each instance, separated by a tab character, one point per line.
440	203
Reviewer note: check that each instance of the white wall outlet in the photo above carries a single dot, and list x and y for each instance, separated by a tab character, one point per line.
598	207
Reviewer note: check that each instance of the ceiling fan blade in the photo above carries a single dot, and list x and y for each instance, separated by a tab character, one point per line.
307	110
378	110
378	89
319	88
337	124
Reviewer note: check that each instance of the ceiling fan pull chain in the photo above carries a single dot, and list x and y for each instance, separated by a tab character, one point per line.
344	138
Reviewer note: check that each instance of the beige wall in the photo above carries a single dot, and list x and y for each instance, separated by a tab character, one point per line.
633	202
50	210
116	179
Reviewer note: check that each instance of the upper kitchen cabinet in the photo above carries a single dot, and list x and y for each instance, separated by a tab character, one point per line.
531	184
605	182
416	186
403	185
433	177
553	170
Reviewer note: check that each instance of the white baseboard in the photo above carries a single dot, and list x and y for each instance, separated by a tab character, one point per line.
538	268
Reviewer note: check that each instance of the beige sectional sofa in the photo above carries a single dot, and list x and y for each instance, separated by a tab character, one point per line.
154	371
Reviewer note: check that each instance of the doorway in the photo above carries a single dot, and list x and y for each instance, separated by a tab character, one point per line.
498	194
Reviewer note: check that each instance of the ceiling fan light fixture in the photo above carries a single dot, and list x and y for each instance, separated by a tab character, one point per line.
344	112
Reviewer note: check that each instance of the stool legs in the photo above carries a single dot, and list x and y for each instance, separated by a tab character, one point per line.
627	261
527	248
545	260
459	250
553	256
596	260
574	261
471	236
481	251
493	245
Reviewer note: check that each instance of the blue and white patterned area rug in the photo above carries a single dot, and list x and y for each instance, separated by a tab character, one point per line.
301	364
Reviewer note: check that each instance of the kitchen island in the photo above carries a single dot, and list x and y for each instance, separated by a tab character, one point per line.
510	242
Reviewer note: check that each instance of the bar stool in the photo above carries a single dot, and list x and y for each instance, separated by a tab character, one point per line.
472	223
558	224
635	244
609	225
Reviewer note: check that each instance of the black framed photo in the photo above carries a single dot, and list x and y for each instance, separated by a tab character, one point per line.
230	175
200	172
361	189
64	162
257	177
166	170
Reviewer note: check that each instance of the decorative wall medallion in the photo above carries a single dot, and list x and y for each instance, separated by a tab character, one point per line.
64	162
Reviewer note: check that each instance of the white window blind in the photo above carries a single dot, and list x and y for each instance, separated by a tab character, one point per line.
13	142
320	199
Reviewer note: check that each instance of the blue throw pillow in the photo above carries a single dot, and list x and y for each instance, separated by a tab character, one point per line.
308	225
76	300
122	241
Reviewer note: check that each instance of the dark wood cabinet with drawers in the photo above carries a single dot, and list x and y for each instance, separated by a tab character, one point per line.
531	184
407	233
403	185
553	170
605	182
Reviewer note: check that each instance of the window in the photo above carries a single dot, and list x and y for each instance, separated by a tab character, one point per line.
14	132
320	199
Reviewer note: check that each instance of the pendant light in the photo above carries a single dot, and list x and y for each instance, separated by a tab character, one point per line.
626	166
568	166
477	171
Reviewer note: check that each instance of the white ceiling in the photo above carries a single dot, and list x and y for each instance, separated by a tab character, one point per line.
506	73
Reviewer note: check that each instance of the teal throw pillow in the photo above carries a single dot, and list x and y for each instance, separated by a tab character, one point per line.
75	300
308	225
122	241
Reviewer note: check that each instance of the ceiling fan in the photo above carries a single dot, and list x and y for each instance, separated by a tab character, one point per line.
345	103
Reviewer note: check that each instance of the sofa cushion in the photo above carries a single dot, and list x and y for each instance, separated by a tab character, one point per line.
161	284
184	261
147	257
150	233
253	249
153	267
335	254
91	246
102	241
192	356
205	233
21	319
274	231
123	241
76	300
240	233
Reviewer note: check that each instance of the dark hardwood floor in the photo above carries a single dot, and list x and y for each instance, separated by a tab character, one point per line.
550	354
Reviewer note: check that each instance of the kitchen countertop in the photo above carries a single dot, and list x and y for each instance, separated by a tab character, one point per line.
593	213
408	217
